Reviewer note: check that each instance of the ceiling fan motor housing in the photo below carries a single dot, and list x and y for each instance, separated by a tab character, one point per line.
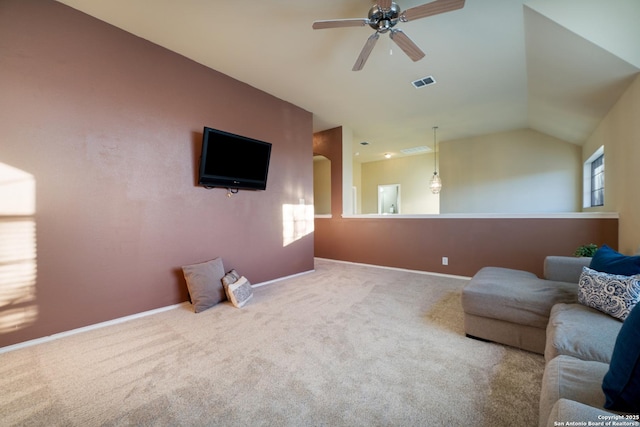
382	20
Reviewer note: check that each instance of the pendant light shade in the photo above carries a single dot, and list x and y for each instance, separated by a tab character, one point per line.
436	183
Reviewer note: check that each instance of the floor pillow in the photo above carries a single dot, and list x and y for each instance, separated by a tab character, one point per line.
204	281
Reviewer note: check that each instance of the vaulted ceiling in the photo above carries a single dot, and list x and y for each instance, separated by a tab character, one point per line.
555	66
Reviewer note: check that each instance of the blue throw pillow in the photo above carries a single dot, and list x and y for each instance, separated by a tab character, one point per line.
609	261
621	384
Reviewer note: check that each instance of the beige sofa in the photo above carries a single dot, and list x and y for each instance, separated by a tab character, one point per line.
543	315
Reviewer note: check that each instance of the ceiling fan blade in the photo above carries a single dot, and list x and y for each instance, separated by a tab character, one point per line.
434	8
366	51
339	23
384	4
407	45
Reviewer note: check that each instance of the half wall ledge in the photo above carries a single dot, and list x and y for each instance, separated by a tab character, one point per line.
568	215
461	244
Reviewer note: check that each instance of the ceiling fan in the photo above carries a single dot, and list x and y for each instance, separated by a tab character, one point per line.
383	16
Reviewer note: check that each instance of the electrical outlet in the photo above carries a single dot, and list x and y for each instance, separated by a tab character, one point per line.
445	260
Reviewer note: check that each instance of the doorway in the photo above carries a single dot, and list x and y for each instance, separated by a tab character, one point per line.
388	199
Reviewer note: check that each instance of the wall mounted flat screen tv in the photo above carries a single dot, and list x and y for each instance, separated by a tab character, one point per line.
233	161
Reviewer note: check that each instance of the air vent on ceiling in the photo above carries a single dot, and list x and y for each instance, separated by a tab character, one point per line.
425	81
416	150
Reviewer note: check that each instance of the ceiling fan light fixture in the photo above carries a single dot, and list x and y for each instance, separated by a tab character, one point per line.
383	17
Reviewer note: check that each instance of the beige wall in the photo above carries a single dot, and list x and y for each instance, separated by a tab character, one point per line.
522	171
357	183
321	185
412	173
619	133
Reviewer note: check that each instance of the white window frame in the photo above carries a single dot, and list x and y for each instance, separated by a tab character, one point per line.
588	179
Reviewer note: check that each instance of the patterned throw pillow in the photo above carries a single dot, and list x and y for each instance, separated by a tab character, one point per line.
230	278
240	292
613	294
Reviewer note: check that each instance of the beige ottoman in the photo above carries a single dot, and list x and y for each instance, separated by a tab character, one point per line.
512	306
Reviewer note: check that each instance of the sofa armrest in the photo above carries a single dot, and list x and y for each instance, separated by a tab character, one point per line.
564	268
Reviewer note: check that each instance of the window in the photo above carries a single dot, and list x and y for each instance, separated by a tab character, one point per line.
597	181
594	180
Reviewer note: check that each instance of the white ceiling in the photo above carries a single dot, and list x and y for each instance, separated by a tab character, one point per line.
556	66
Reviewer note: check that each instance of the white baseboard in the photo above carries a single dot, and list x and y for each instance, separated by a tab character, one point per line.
120	320
171	307
87	328
279	279
430	273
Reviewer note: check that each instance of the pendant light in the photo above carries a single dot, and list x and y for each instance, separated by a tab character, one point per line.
436	183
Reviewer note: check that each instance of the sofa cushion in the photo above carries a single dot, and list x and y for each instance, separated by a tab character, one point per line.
621	384
515	296
613	294
582	332
566	377
610	261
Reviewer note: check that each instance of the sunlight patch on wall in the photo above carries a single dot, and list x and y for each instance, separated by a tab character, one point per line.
17	249
297	222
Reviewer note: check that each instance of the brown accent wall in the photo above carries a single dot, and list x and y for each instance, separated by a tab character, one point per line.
109	126
469	243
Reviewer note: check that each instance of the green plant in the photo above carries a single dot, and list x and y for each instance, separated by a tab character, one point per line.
586	250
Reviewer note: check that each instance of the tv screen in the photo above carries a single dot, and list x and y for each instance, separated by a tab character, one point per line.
233	161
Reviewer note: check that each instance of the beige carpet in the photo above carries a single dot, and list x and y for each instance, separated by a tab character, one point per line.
346	345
